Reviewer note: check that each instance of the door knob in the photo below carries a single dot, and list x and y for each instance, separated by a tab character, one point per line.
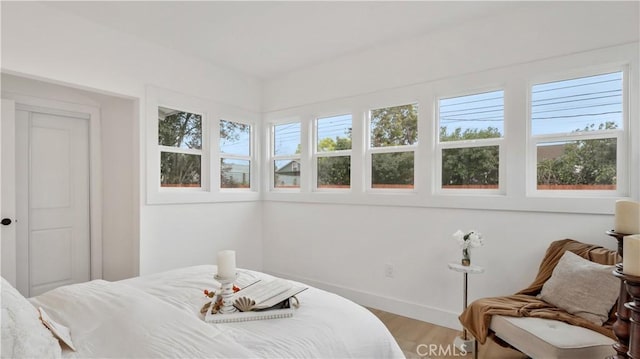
6	221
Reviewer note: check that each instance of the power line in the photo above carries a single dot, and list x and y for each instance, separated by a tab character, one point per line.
450	120
477	112
570	116
473	108
451	99
571	86
575	108
287	133
287	126
578	95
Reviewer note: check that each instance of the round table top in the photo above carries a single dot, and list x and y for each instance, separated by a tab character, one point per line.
466	269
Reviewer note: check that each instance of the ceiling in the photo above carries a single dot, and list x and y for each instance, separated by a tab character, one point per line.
267	39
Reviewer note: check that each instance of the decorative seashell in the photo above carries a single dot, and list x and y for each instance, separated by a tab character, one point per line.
244	304
205	308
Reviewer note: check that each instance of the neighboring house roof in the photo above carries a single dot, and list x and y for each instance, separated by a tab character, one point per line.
549	152
291	168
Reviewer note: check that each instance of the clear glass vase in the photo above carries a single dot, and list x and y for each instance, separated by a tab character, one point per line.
466	257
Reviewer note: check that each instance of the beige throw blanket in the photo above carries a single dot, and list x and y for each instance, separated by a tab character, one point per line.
477	317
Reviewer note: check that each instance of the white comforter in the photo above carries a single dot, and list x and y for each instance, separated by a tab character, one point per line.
158	316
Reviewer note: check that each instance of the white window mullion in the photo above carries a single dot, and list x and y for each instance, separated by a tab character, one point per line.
214	150
578	136
357	153
425	150
334	153
307	164
471	144
235	157
392	149
282	158
206	154
186	151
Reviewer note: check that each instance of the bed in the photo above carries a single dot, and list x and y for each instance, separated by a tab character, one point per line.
158	316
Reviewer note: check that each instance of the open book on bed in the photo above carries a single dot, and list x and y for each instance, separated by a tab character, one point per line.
264	295
260	300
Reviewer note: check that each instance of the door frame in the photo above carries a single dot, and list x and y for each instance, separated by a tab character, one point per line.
54	107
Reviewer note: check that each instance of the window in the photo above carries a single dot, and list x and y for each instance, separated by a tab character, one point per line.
333	152
577	127
235	155
471	131
393	136
180	143
286	155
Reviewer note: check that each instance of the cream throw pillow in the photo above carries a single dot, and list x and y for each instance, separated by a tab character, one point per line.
23	334
582	288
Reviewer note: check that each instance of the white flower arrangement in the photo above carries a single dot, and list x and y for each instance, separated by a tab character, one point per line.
471	239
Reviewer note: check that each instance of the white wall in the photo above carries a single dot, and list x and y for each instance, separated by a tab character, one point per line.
120	188
42	42
542	30
344	247
193	234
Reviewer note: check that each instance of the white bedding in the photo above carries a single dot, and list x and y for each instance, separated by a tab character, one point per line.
23	335
158	316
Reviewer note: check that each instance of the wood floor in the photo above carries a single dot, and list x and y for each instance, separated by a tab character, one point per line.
410	333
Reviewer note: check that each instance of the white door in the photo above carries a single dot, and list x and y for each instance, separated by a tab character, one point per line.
52	200
7	191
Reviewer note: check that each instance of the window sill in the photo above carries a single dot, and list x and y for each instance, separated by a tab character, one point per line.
492	202
180	197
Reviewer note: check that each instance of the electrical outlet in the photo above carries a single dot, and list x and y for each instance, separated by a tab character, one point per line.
389	271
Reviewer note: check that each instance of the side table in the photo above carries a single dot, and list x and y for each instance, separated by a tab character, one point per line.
470	346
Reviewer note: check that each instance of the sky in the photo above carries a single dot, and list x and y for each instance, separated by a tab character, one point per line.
287	138
238	142
565	106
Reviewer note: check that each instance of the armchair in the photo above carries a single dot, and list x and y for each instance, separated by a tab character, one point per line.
537	328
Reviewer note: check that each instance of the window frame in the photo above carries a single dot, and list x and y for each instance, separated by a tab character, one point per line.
621	135
209	192
203	152
273	157
514	153
441	146
339	153
251	157
370	150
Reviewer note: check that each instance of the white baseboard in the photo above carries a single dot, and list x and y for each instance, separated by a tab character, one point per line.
392	305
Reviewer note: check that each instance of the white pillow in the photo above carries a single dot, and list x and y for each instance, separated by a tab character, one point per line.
581	287
23	334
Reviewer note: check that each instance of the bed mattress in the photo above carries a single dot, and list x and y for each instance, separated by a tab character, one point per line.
158	316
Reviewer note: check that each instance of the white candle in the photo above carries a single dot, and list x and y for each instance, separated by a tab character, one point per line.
631	259
627	217
227	264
